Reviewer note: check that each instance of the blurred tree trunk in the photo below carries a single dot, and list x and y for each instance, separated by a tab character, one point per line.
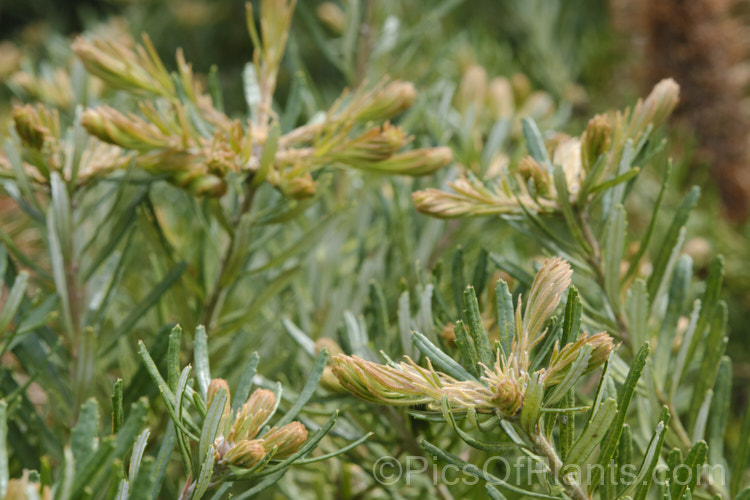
701	45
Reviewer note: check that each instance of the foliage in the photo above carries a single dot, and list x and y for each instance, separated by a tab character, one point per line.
547	329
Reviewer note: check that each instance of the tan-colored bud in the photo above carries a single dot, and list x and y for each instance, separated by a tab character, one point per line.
472	89
381	384
545	294
415	162
500	99
602	345
327	343
287	440
330	382
386	101
655	109
127	131
252	415
568	155
521	87
298	187
214	387
29	126
245	454
561	360
507	396
529	169
332	17
377	144
595	140
120	66
208	185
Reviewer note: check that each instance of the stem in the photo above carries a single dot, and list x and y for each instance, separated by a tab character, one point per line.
215	297
545	449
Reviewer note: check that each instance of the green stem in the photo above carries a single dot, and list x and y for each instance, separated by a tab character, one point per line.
545	449
217	292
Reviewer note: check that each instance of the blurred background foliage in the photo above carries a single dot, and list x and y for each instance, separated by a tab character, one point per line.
362	242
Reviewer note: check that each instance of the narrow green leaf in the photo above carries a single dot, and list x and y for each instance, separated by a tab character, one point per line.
67	477
205	473
593	433
574	373
379	309
708	305
479	278
739	466
670	241
145	482
57	262
719	414
466	348
646	240
336	453
200	358
457	278
535	142
685	478
163	458
678	290
62	216
84	436
624	453
476	328
210	428
612	440
701	420
613	248
572	318
147	303
173	357
645	477
532	404
636	308
440	359
12	302
615	196
715	346
469	439
137	455
307	391
567	427
299	337
245	383
477	472
615	181
117	406
505	317
680	364
493	492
